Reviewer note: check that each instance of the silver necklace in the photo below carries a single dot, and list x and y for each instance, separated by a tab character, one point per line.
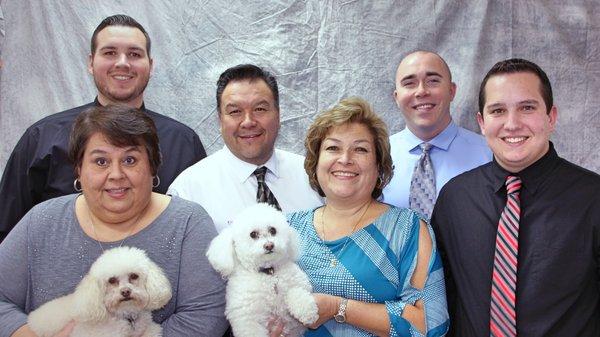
97	238
334	260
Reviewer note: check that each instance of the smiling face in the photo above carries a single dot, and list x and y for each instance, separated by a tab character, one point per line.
249	120
120	65
423	93
116	181
347	167
515	121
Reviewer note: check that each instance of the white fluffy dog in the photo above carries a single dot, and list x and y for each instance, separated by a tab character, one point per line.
257	253
114	299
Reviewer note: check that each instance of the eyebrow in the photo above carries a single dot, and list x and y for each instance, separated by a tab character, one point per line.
109	47
427	74
129	149
354	142
500	104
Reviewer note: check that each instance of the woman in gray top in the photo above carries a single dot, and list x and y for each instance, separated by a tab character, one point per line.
116	156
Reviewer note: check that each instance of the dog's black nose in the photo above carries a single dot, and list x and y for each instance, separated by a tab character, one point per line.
268	246
126	292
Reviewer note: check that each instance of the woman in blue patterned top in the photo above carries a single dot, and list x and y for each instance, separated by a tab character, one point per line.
374	267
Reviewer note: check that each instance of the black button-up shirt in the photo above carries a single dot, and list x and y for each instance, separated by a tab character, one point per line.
558	273
39	169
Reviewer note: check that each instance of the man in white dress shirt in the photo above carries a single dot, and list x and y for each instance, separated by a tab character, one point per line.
224	183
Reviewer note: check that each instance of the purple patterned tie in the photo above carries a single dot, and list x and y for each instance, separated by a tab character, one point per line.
503	318
264	194
422	185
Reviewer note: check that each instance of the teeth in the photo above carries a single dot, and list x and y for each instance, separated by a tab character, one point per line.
117	190
514	139
344	174
122	78
424	106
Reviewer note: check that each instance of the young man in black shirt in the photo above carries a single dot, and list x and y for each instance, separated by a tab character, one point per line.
539	274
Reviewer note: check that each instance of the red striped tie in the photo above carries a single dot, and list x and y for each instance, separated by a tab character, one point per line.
503	319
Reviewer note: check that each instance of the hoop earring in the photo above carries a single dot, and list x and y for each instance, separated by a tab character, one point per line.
75	182
157	181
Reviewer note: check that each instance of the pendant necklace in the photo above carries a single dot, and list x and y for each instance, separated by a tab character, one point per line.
334	260
97	239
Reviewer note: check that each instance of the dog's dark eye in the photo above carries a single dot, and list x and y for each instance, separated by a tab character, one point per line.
272	230
113	280
133	276
254	234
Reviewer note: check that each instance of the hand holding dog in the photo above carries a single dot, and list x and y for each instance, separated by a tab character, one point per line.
328	307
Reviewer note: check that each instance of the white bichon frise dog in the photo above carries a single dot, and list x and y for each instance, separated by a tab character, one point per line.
257	254
114	299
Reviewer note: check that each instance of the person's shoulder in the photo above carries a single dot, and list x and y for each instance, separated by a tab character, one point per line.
59	120
468	178
579	174
205	168
164	122
55	209
472	138
289	160
296	218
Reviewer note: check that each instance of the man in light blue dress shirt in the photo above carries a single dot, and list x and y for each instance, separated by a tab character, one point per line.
424	91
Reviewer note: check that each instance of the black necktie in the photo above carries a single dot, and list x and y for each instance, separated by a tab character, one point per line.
263	194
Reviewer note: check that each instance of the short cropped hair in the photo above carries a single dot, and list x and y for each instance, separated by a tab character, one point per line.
247	72
121	126
349	110
516	65
119	20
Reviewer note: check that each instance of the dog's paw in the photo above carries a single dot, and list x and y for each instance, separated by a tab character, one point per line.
302	306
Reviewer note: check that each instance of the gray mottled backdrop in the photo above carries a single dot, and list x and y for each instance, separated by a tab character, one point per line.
321	51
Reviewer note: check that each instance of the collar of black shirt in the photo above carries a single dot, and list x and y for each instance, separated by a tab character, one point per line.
532	176
97	103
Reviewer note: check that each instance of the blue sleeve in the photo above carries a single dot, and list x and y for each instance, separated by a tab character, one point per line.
433	294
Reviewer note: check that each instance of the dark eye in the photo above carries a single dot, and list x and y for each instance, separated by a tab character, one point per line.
133	276
254	234
113	280
129	160
101	162
272	230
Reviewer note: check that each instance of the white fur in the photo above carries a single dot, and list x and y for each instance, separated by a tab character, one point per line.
253	297
107	296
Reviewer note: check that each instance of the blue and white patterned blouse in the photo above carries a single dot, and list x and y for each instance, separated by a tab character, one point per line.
376	267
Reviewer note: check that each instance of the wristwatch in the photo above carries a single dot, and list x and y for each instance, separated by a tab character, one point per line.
340	317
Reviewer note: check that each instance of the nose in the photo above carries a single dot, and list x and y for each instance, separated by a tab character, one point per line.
126	292
248	121
116	171
513	120
122	60
422	90
269	246
345	157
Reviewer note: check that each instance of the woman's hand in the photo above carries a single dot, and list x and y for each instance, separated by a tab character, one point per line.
25	331
275	327
328	307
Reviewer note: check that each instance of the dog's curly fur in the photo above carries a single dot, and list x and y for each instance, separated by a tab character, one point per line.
114	299
259	239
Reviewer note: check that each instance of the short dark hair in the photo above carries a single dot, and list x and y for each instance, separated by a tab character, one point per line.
347	111
119	20
246	72
121	125
516	65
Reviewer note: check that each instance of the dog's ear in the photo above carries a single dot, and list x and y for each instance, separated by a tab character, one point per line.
158	287
89	299
221	252
293	244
